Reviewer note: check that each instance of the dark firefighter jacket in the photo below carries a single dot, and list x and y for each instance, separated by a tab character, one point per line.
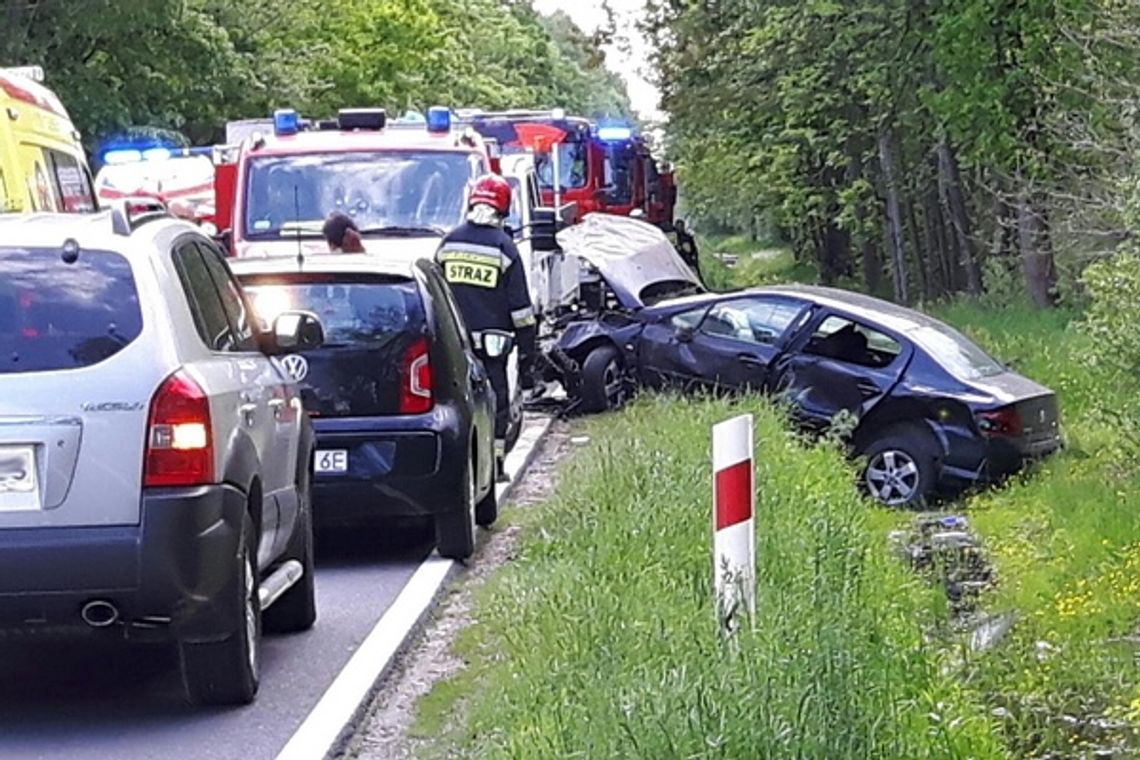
483	267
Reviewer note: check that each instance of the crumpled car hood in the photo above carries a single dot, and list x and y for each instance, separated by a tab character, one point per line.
634	257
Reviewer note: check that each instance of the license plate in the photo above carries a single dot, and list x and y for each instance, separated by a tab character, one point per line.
19	486
332	460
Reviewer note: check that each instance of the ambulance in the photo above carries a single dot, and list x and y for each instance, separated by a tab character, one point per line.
42	163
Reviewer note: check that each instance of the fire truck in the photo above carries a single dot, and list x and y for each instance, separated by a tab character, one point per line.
405	185
603	168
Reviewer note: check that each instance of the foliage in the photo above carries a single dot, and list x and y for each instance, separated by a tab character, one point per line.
191	65
599	639
1001	128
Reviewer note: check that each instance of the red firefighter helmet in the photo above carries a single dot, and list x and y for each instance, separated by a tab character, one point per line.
492	190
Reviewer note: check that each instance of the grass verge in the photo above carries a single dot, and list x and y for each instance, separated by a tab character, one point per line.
599	639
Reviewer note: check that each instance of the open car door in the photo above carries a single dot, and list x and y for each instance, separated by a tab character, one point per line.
838	364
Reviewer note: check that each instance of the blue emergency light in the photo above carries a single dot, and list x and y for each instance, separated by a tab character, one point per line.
439	119
614	134
122	156
286	122
156	154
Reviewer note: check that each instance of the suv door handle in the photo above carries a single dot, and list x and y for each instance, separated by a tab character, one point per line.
249	413
867	388
750	360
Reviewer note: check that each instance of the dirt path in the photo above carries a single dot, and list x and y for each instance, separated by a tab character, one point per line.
383	734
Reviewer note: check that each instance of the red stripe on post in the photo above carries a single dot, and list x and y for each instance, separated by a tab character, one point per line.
734	494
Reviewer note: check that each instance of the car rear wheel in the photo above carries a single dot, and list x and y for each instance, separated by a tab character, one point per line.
296	610
455	530
226	672
899	470
603	380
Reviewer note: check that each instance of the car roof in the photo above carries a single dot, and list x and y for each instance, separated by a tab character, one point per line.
94	231
325	263
334	141
886	314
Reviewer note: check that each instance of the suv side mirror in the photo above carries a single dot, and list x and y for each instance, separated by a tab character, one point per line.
544	225
295	331
685	334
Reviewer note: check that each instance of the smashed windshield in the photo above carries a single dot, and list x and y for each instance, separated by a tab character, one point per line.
572	169
392	190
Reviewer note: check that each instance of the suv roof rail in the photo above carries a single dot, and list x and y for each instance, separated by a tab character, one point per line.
128	214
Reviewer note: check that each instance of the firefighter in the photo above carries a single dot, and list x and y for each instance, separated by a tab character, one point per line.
687	247
483	268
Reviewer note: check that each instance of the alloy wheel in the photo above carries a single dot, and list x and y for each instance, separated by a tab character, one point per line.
892	477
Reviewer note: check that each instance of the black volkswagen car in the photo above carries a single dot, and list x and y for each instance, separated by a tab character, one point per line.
403	410
928	409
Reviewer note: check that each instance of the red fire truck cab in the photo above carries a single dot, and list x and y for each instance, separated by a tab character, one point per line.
403	183
600	168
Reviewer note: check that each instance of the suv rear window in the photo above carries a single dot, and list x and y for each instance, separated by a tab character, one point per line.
56	316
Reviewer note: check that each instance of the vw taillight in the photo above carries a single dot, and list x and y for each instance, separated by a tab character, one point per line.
416	378
179	444
999	423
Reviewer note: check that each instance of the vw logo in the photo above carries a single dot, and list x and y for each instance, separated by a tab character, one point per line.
296	366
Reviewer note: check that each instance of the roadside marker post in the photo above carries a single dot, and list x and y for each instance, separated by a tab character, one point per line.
734	542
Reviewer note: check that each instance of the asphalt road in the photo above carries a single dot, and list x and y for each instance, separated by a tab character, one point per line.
106	700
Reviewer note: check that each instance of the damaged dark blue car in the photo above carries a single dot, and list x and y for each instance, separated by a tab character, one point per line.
928	410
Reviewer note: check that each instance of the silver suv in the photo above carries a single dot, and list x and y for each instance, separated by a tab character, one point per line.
155	462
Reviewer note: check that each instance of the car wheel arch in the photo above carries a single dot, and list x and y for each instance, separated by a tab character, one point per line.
242	470
893	414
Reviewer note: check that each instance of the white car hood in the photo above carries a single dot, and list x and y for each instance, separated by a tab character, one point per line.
630	254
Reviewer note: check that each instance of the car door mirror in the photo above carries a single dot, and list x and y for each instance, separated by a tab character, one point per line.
295	331
225	239
685	333
543	228
496	343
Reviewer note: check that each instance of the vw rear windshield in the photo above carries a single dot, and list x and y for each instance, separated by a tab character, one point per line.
58	316
354	313
371	326
398	192
957	354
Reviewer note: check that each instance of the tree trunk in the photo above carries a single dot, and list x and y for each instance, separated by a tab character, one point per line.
1036	249
919	244
872	267
894	217
954	204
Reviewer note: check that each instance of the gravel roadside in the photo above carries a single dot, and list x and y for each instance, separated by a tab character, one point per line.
384	733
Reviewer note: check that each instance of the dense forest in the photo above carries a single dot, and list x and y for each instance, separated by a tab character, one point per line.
190	65
913	148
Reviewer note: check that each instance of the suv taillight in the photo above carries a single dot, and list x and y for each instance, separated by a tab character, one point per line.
179	445
416	378
999	423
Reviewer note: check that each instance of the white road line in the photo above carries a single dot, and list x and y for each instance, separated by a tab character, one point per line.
333	717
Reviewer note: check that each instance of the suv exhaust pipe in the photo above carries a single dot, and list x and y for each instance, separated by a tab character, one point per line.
100	613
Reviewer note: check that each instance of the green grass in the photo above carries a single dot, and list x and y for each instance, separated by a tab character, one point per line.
1065	540
758	263
599	639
